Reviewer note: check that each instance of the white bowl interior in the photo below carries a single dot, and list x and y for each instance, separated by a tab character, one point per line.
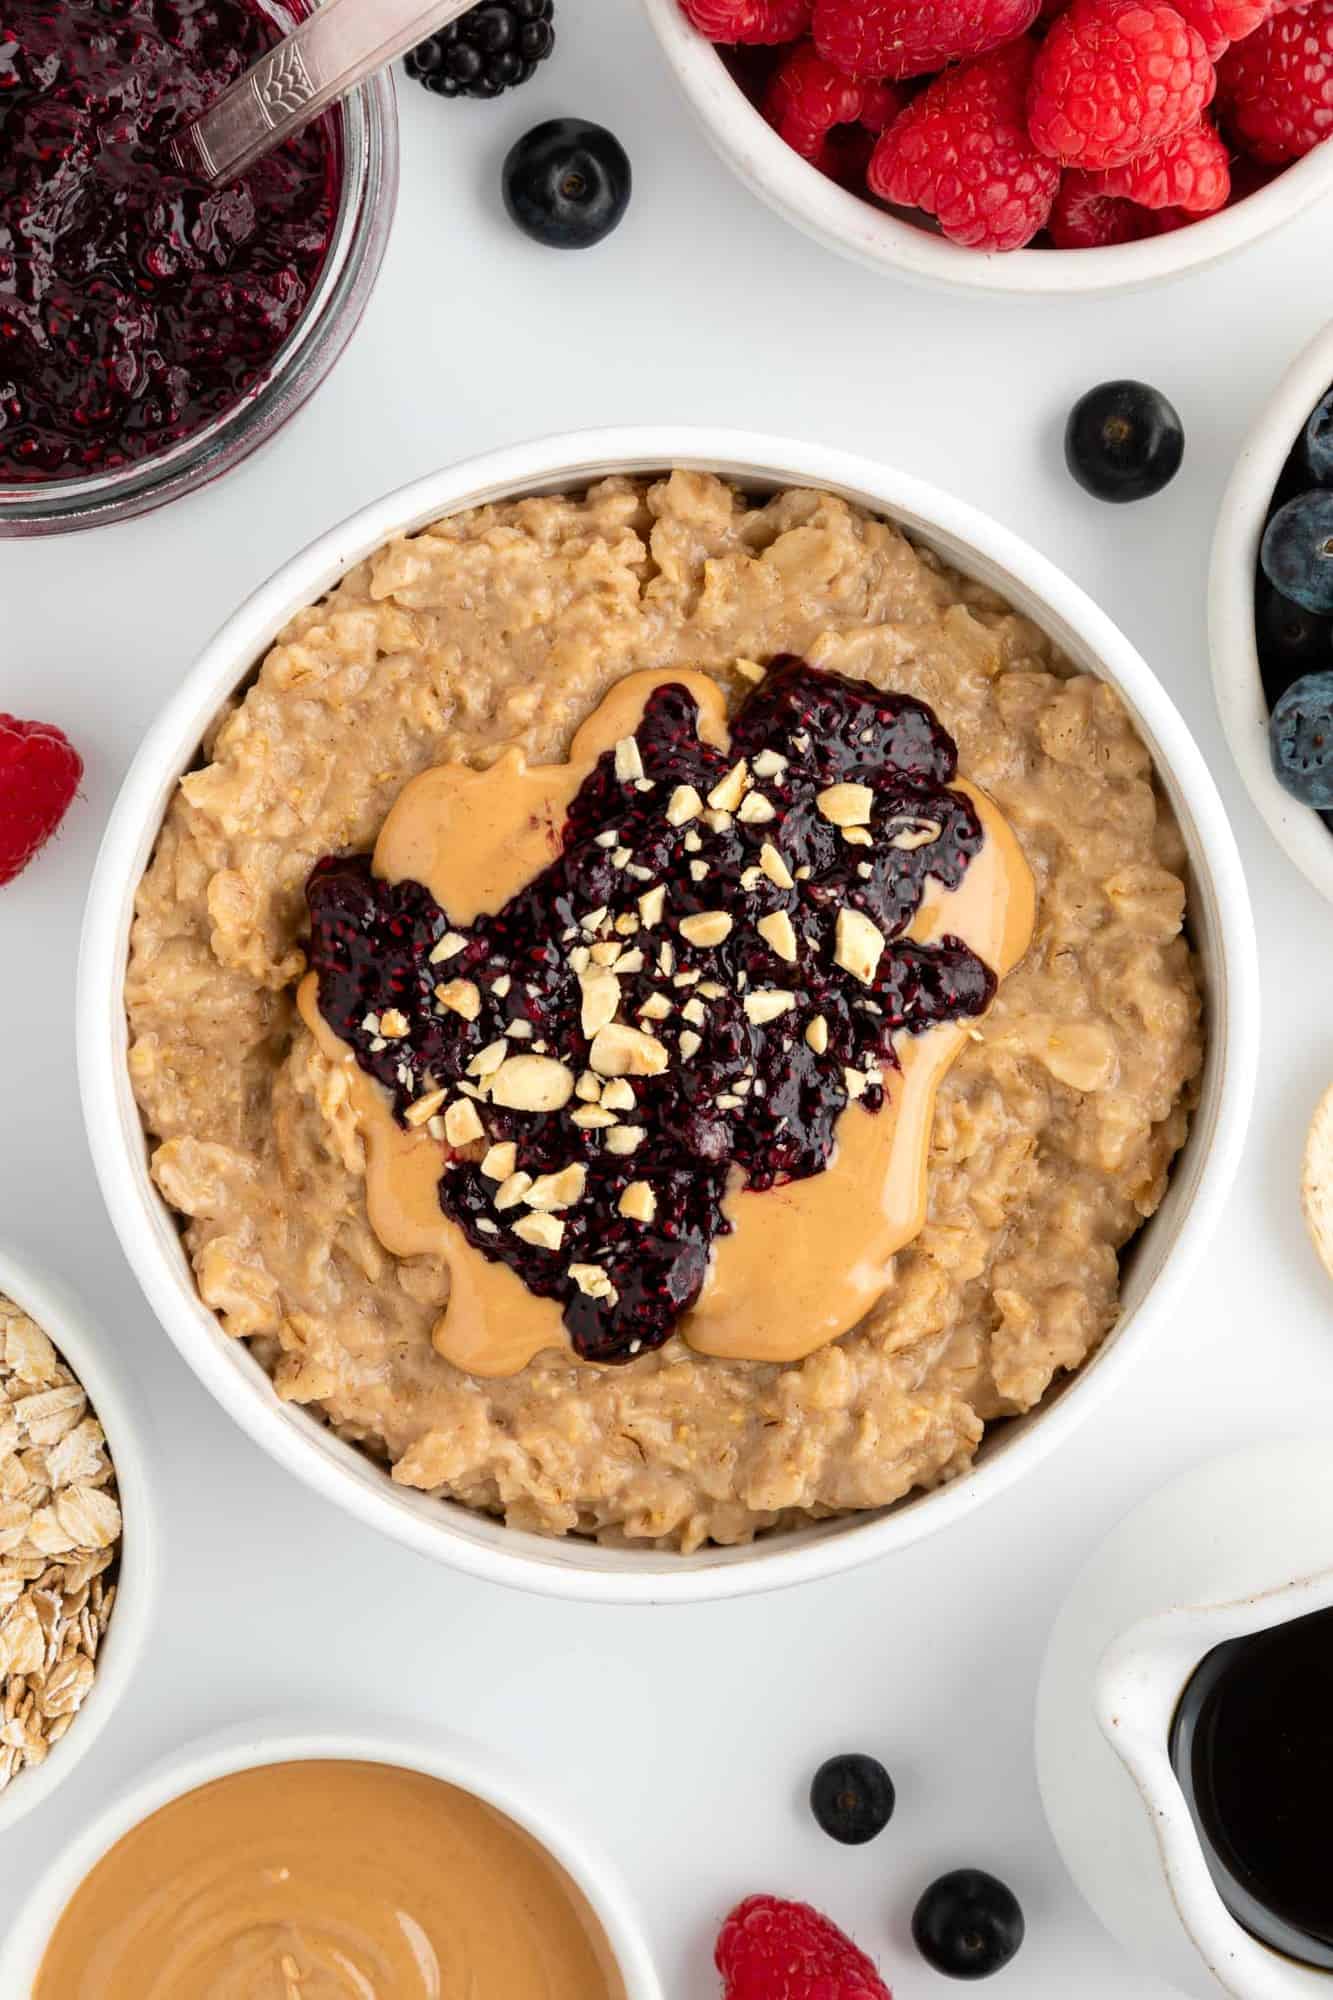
1237	680
451	1759
1221	926
859	229
85	1347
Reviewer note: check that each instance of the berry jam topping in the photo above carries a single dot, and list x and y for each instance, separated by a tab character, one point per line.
708	972
137	305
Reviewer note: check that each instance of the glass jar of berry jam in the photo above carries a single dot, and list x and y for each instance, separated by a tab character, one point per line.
154	332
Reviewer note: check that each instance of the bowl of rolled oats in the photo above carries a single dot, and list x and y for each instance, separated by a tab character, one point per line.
77	1540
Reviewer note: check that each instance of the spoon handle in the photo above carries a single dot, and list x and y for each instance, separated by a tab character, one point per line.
332	50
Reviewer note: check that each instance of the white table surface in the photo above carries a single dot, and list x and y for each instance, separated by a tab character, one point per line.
684	1739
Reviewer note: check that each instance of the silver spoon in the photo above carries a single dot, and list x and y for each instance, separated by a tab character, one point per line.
333	49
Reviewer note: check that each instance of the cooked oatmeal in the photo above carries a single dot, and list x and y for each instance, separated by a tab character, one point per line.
1053	1132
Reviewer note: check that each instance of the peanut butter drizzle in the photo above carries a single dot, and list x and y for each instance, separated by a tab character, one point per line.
493	1325
328	1881
475	838
804	1262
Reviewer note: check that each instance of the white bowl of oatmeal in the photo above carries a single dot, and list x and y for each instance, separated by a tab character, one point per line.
544	1910
78	1535
682	1474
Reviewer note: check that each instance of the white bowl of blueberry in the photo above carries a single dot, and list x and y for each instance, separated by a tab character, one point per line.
1271	613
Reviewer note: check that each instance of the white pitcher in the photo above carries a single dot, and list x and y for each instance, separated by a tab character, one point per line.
1234	1547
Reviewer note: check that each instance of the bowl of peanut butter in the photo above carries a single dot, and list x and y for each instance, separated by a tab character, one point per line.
341	1864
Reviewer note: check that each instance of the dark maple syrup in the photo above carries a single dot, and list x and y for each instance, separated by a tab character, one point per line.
1252	1747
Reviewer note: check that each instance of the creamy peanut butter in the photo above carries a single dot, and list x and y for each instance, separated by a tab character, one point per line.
803	1262
328	1881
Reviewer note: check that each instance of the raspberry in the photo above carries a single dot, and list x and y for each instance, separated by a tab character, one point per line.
39	775
828	117
897	38
749	20
961	151
772	1950
1114	78
1222	22
1277	86
807	98
1085	217
1191	171
880	105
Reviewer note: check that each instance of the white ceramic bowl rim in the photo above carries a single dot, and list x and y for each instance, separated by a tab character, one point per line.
813	202
85	1347
483	1547
1237	681
450	1758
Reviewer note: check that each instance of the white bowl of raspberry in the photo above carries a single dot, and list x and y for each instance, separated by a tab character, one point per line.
948	172
1153	1276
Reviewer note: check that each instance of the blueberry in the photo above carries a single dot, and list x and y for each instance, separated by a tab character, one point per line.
968	1925
1297	551
1300	735
1291	640
852	1797
1319	442
567	183
1124	441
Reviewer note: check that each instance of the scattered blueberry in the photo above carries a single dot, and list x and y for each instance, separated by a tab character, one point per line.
1297	551
1300	733
852	1797
968	1925
1319	442
1124	441
567	183
493	47
1292	641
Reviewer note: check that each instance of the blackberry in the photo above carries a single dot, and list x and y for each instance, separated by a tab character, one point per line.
491	49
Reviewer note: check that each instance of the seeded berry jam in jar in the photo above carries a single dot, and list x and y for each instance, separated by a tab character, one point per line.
154	330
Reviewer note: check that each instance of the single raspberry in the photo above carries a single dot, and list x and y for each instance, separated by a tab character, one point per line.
1086	218
961	151
880	105
39	775
807	97
772	1950
1222	22
1191	171
1114	78
1277	86
897	38
749	20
